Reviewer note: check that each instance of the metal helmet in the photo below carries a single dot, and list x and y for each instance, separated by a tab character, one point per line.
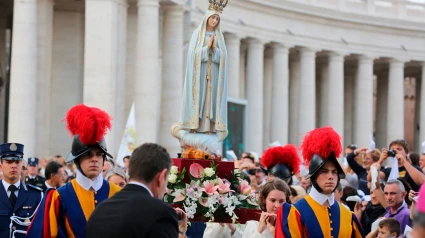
317	162
281	161
320	146
79	148
88	126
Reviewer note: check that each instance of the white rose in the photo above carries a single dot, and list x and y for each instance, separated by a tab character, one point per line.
209	172
172	178
174	170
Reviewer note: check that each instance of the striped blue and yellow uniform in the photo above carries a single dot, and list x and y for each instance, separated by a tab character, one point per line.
64	212
310	219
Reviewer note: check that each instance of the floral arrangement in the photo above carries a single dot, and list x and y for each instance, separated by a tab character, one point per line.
208	195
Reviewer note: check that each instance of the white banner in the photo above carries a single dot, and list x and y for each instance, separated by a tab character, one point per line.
128	141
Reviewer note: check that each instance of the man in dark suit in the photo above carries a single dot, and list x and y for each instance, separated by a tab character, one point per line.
33	178
137	210
17	200
55	175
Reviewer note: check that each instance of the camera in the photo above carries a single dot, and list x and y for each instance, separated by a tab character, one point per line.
391	153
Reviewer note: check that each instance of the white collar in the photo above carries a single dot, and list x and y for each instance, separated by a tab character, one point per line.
87	183
6	184
320	197
142	185
32	177
47	185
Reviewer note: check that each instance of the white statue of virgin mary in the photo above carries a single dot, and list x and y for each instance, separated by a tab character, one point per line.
203	114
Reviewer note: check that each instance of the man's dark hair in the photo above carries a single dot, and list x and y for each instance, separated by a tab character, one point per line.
126	157
392	224
414	157
402	143
348	191
52	168
147	161
351	147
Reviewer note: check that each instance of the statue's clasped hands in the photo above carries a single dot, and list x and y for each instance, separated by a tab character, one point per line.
211	43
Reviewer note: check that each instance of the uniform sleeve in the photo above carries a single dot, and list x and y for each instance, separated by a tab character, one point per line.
288	223
357	228
41	224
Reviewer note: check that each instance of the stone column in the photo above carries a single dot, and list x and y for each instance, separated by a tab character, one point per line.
322	88
395	105
3	22
22	107
172	72
44	75
363	102
233	45
307	96
147	94
381	110
120	118
254	88
102	61
294	88
267	92
67	74
280	95
349	79
131	55
335	95
242	77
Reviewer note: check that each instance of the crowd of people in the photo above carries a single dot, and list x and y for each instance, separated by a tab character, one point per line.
368	193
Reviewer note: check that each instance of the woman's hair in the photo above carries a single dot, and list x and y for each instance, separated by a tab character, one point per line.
116	171
375	153
273	184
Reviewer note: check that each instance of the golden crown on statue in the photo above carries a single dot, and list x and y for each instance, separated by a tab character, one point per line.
218	5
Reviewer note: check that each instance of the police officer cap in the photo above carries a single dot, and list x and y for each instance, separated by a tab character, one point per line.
11	151
33	161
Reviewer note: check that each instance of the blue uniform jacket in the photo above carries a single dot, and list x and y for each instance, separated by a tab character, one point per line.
28	199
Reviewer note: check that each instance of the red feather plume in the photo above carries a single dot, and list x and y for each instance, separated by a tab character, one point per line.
287	155
321	141
90	123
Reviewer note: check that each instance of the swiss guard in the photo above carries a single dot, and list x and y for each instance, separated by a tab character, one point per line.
33	178
318	214
281	162
64	212
18	201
